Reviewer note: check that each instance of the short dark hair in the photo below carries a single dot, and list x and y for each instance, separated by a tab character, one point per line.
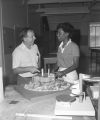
66	27
24	31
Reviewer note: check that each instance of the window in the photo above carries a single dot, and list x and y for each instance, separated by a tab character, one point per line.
94	35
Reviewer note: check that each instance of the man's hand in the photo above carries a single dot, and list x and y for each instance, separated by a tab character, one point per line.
58	74
34	69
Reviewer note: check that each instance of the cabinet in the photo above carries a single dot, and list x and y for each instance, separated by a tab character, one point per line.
48	42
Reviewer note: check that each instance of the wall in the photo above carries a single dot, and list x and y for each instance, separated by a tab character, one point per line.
34	20
80	21
0	34
14	15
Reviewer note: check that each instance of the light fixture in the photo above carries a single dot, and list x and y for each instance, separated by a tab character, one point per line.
63	10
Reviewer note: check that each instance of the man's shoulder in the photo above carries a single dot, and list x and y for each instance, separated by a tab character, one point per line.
35	46
17	49
73	44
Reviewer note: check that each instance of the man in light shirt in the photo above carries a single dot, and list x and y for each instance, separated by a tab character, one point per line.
26	57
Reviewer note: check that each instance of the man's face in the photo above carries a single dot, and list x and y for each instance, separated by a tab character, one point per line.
30	38
61	35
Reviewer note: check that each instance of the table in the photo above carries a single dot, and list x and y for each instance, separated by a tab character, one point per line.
84	108
92	79
43	108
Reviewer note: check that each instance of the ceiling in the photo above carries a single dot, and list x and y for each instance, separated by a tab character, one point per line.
56	1
48	7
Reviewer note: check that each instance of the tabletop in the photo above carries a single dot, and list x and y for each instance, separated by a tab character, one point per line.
15	104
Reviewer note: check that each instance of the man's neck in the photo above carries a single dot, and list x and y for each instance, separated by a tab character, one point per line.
65	42
28	46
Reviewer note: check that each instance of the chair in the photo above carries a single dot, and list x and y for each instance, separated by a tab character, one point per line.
48	61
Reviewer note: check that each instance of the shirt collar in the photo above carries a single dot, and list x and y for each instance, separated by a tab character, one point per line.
66	44
24	46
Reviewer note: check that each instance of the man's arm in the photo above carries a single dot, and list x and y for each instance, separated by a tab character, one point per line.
71	68
31	69
39	61
74	65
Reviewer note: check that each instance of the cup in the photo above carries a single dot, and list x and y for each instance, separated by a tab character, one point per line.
81	97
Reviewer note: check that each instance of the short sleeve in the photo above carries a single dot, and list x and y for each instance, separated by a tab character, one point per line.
76	51
16	56
36	47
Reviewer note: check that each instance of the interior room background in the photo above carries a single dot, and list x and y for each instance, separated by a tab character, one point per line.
16	14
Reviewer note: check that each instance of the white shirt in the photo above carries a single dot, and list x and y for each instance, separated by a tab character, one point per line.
23	57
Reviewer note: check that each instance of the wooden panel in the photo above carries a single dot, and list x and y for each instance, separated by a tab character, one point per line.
17	31
8	38
76	37
55	1
50	39
1	50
